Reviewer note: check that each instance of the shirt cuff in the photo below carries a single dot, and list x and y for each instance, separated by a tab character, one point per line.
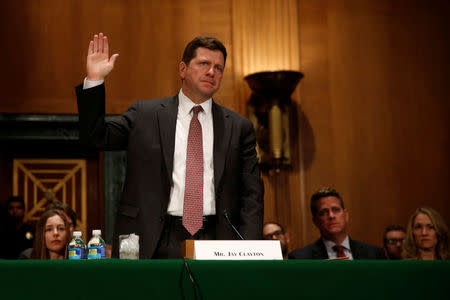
87	84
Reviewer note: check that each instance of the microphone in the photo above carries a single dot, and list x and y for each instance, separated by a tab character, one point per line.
231	224
191	277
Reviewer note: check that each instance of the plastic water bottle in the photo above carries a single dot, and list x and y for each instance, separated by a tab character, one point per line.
77	247
96	246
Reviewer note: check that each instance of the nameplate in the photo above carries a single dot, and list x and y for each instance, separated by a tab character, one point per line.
232	250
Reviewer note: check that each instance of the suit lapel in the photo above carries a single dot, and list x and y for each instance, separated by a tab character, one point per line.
222	132
319	251
354	248
167	122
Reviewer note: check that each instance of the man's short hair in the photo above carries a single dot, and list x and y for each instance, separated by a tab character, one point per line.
207	42
15	199
394	227
275	223
321	193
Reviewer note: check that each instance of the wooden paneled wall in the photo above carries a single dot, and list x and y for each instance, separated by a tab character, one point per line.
268	40
46	44
376	107
373	109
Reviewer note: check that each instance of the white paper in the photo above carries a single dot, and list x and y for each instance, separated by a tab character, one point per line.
237	250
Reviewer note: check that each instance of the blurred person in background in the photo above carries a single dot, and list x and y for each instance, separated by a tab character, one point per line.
393	238
274	231
17	235
427	236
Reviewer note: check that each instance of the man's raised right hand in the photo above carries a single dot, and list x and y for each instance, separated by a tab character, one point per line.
98	64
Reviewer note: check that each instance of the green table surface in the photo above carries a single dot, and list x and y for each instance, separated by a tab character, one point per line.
168	279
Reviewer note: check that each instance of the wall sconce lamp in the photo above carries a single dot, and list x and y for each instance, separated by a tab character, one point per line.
269	109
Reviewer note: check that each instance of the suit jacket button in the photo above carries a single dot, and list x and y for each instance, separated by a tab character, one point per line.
161	219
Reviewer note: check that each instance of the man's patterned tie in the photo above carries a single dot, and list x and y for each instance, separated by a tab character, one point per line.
193	193
340	250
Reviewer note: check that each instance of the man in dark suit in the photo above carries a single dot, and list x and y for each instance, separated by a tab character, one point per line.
331	218
192	165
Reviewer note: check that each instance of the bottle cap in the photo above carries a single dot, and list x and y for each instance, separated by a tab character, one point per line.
77	233
96	232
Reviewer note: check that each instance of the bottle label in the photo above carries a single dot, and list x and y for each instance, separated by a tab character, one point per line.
77	253
96	252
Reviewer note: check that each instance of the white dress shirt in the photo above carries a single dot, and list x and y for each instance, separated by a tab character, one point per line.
184	117
332	253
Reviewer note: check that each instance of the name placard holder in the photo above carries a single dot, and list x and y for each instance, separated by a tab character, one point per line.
231	250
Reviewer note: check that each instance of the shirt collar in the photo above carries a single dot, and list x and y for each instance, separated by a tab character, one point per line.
185	104
330	244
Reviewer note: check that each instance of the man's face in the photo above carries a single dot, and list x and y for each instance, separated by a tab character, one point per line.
16	210
331	218
394	243
202	77
274	232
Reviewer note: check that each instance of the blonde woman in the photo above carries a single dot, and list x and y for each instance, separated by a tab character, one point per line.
427	236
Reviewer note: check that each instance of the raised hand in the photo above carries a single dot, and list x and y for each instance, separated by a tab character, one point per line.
99	64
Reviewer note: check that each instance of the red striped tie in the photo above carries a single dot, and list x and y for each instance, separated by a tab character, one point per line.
193	193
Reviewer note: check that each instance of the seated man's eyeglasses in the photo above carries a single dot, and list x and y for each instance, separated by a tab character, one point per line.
394	241
273	235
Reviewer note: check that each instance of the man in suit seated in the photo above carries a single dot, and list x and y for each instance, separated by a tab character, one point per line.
331	218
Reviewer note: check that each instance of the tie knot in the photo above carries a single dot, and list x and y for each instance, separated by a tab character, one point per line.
338	247
340	250
196	109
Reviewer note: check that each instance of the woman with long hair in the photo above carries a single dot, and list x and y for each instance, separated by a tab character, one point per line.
52	236
427	236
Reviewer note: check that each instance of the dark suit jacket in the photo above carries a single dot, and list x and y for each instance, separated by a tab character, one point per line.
147	131
318	250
